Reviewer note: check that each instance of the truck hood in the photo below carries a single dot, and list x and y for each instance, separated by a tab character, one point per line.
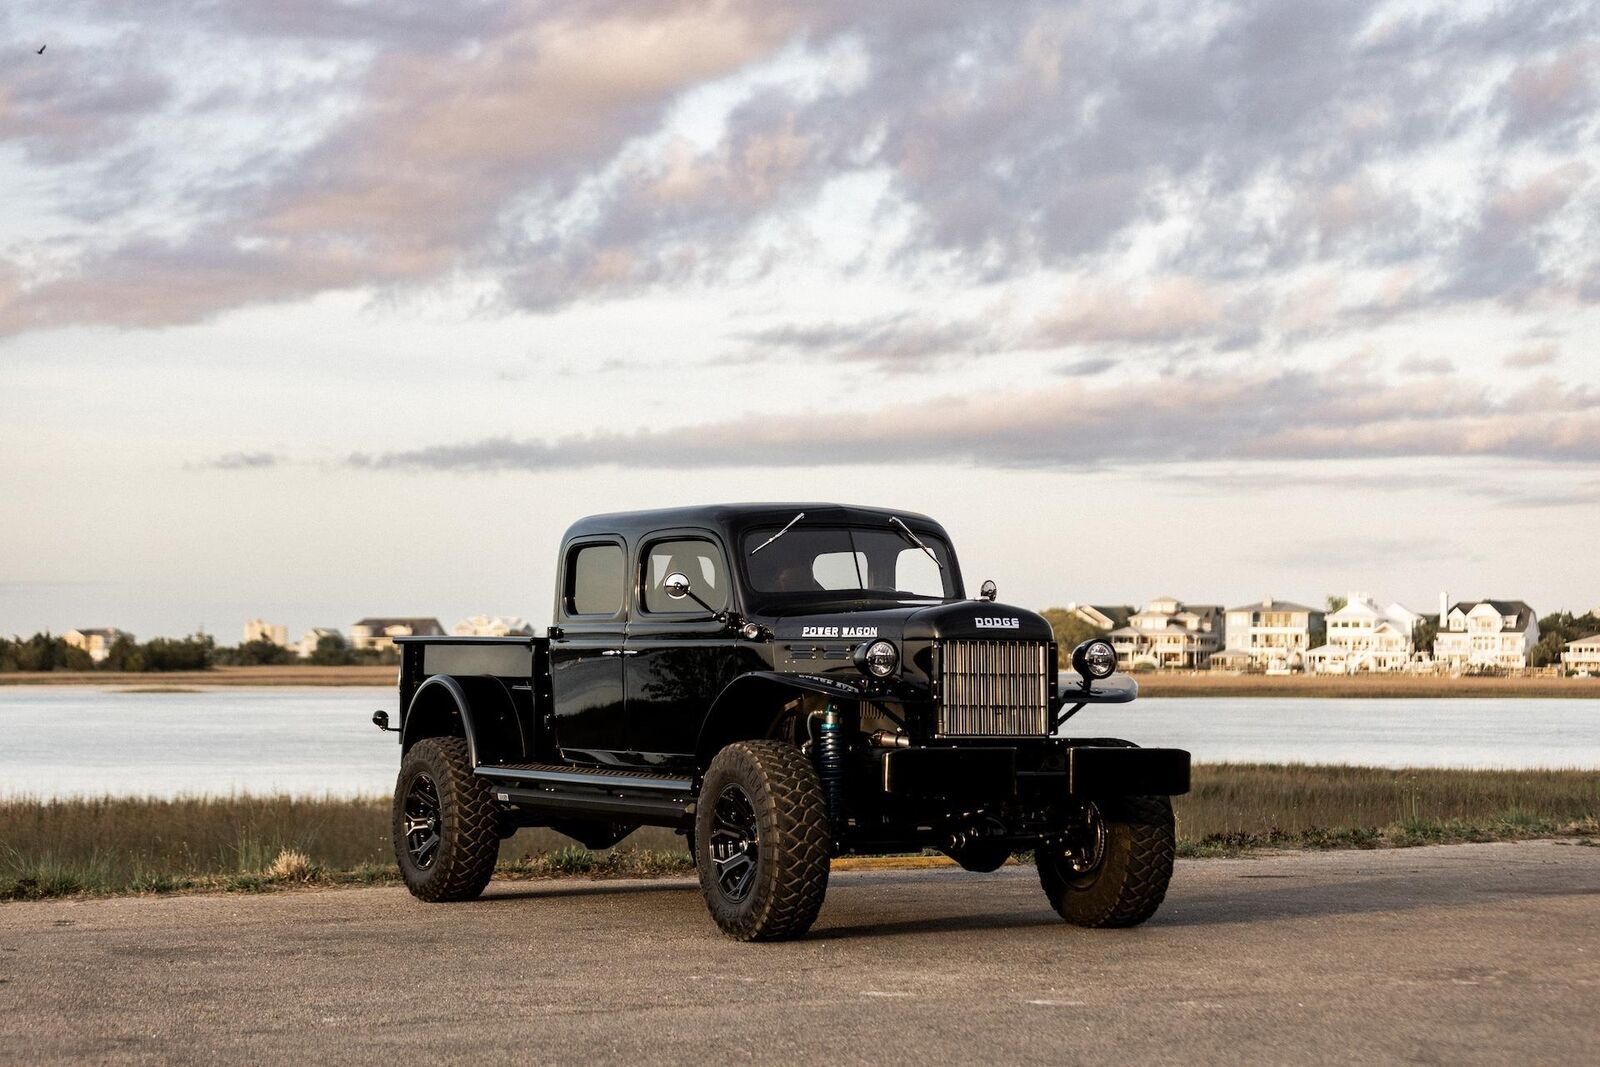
911	621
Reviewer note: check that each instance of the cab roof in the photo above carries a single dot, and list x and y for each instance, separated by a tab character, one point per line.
734	517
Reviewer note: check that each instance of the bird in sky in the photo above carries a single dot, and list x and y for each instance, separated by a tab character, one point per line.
40	52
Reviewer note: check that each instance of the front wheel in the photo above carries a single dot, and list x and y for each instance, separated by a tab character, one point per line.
762	841
1113	869
446	826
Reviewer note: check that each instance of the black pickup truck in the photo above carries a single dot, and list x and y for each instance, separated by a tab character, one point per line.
781	683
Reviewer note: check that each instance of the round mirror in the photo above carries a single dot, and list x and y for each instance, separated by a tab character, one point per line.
676	585
988	590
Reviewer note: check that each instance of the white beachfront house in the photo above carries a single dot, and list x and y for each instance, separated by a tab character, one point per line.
1480	634
379	632
1361	636
312	637
1274	635
96	641
261	630
492	626
1169	633
1583	655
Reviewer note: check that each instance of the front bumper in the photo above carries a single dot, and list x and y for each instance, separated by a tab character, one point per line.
978	774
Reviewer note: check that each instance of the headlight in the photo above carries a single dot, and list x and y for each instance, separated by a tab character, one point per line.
1095	659
878	659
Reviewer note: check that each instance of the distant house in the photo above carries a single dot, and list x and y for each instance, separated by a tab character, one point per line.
1583	655
313	637
379	633
1275	635
95	641
1479	634
492	626
257	630
1361	636
1102	616
1169	633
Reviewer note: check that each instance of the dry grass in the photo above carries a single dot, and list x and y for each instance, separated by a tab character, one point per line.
120	845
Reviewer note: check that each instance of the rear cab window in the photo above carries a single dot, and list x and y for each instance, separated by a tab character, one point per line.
596	580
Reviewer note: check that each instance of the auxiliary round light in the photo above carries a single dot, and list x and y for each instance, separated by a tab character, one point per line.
1095	659
880	659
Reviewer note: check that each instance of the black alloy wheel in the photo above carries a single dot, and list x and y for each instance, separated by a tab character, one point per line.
422	822
1087	849
735	848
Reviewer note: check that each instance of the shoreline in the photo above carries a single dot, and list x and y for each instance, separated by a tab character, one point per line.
1363	686
1152	685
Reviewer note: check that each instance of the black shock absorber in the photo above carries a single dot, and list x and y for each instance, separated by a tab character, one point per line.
830	764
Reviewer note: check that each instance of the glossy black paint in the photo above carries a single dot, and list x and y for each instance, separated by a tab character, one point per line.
645	699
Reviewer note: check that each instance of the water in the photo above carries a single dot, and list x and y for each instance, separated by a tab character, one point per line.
320	741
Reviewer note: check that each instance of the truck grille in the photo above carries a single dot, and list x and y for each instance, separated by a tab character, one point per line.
994	689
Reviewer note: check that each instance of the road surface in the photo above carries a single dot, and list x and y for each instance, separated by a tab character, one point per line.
1461	954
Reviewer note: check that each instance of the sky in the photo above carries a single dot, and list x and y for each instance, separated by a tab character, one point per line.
311	311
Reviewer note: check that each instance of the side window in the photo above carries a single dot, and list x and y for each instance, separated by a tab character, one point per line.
595	580
699	561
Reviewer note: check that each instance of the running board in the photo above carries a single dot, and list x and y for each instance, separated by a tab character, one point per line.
596	777
594	792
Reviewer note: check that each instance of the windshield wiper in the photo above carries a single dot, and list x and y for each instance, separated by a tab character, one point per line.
914	539
777	535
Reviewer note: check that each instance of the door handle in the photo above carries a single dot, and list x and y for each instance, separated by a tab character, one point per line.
630	652
612	652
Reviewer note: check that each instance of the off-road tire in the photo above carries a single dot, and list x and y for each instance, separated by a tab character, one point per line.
469	823
792	840
1128	884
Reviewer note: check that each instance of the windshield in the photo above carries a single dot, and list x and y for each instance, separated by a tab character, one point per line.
859	560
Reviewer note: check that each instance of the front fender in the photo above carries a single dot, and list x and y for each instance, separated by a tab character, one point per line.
752	706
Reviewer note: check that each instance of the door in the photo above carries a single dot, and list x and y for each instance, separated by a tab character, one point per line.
586	676
679	657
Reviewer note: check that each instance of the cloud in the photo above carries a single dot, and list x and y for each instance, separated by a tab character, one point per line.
1537	356
1422	365
1165	309
1086	368
234	461
1248	417
541	150
896	342
1542	96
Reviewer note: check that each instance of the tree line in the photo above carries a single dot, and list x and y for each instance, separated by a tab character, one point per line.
198	652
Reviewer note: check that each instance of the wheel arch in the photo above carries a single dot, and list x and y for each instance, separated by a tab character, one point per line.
754	706
477	708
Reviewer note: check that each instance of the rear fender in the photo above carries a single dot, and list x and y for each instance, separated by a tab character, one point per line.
478	708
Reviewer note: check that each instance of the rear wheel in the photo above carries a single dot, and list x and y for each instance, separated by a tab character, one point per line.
1113	869
446	826
761	841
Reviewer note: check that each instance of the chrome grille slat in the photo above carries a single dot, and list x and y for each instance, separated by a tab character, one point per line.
993	689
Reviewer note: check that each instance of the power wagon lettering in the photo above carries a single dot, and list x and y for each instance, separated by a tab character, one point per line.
838	631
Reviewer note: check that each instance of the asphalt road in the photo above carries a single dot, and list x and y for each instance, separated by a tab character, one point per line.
1464	954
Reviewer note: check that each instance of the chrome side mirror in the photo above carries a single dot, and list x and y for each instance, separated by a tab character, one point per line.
676	585
988	590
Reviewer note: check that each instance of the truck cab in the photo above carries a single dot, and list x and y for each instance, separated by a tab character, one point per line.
700	658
